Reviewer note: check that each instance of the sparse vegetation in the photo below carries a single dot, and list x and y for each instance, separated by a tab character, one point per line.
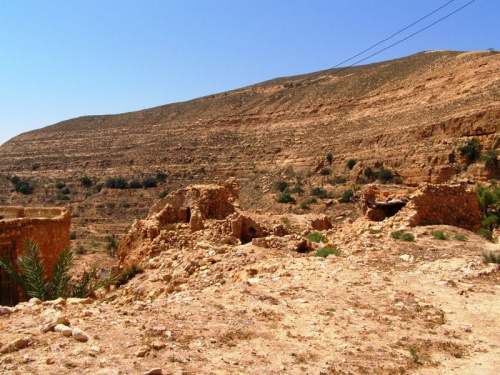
351	163
285	197
491	257
440	235
491	159
127	274
325	172
347	196
485	233
60	185
316	237
336	180
163	194
149	182
398	235
329	158
325	251
461	237
22	186
306	203
471	151
281	186
29	275
85	181
112	244
135	184
319	192
385	175
116	183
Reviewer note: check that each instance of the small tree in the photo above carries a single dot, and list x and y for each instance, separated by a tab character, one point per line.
329	158
351	163
471	151
347	196
85	181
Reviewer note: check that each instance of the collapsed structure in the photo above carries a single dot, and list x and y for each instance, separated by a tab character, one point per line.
48	227
206	212
431	204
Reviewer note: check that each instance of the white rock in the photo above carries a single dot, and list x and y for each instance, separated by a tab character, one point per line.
65	330
79	335
406	257
5	310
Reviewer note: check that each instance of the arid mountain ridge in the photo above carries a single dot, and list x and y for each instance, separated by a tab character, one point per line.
393	112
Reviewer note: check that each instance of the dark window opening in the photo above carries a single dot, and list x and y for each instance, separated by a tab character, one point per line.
247	236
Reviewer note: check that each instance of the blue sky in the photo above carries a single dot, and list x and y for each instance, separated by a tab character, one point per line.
61	59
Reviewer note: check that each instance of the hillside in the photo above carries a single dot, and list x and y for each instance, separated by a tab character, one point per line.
409	115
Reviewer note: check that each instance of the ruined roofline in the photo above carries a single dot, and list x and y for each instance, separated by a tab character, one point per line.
19	212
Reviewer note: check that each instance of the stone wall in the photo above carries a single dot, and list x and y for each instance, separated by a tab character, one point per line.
49	227
431	204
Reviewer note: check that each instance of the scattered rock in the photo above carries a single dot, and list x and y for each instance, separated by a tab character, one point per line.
79	335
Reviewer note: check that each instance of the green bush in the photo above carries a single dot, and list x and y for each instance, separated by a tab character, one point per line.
285	197
135	184
63	197
347	196
163	194
23	187
485	233
329	158
325	251
440	235
65	191
471	151
369	173
60	185
319	192
325	172
72	236
306	203
351	163
149	182
161	177
460	237
316	237
85	181
398	235
116	183
384	175
491	257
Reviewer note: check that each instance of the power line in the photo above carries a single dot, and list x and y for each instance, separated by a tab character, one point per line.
393	35
408	37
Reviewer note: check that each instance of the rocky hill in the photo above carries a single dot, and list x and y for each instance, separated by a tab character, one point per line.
409	115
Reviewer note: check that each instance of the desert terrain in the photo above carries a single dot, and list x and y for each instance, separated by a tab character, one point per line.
224	205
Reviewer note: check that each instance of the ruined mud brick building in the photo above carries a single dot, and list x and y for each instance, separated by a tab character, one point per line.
48	227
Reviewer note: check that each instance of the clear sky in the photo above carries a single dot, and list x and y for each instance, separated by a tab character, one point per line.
61	59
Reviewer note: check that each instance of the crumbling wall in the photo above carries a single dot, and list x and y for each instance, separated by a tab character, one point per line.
444	204
48	227
431	204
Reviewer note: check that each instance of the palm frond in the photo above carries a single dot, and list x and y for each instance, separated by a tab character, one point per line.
31	267
11	270
59	284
